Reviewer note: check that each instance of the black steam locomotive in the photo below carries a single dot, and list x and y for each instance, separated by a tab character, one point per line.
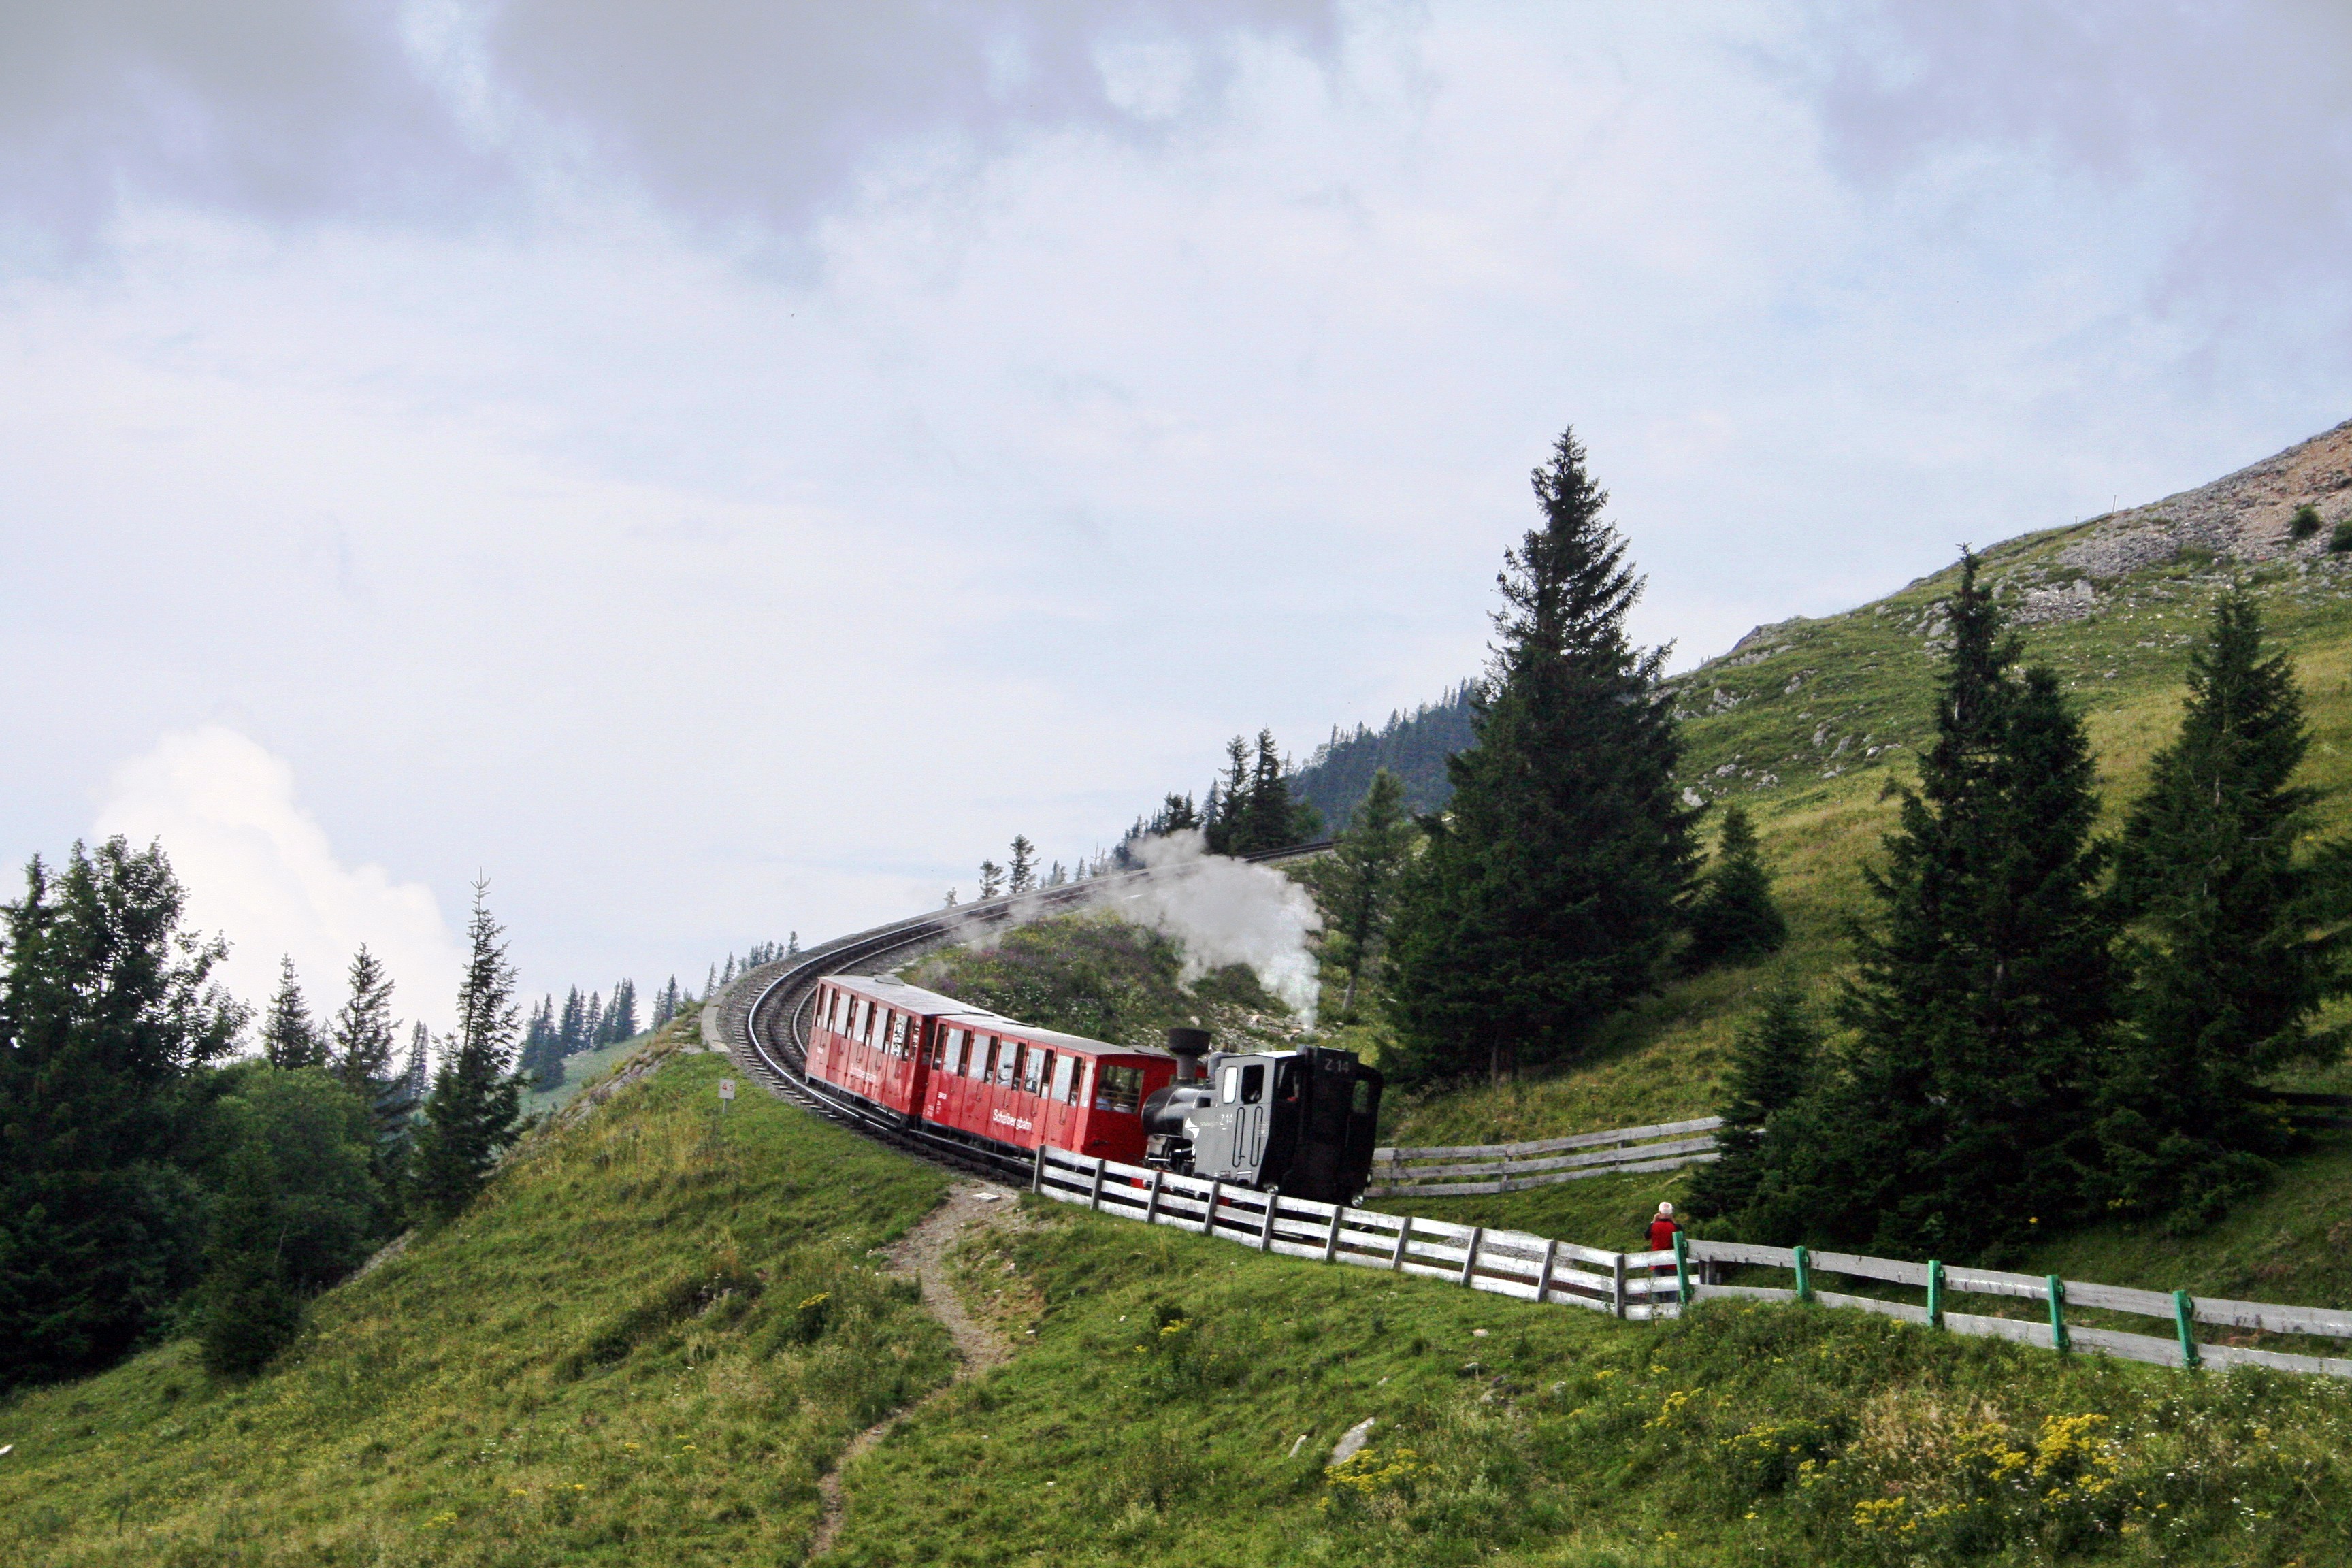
1302	1120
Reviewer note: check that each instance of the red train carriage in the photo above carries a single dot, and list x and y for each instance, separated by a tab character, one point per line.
978	1076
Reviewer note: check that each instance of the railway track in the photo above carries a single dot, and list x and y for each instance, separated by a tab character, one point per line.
761	1021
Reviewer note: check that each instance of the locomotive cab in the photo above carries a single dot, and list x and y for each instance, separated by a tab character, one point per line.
1301	1121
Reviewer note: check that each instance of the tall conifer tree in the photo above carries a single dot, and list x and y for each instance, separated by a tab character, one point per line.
1984	988
472	1113
363	1033
2236	942
288	1037
1551	887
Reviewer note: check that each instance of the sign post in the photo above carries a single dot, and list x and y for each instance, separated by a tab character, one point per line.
726	1092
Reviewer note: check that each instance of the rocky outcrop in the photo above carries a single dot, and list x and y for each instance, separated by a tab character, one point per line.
2244	516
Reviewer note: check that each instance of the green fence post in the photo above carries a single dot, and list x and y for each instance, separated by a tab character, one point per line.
2184	1315
1682	1269
1935	1294
1804	1275
2056	1288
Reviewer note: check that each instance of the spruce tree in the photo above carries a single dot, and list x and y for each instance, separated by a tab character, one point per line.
1734	918
991	879
472	1113
292	1161
621	1017
416	1075
362	1040
106	1009
1226	819
1774	1059
1984	989
1357	886
1266	811
289	1039
1021	876
1548	892
2236	943
361	1035
572	1028
541	1060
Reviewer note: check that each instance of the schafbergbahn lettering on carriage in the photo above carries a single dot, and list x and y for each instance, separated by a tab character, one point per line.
1300	1120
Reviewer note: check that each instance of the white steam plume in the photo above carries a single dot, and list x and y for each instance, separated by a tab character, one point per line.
1224	912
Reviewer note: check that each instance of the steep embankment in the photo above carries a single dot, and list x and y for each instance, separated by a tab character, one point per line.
645	1344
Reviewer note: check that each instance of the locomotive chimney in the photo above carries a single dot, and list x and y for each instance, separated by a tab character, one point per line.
1188	1046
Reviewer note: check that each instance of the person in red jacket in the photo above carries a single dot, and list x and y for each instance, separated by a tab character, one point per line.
1662	1235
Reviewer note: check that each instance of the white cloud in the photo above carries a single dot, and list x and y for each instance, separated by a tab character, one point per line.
258	869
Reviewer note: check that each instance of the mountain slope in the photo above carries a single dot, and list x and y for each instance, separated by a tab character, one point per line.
646	1343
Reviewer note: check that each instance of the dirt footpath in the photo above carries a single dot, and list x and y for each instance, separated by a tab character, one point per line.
922	1253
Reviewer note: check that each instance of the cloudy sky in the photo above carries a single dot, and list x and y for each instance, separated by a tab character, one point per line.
722	468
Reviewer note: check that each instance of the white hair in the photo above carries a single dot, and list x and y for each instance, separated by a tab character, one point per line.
1667	1209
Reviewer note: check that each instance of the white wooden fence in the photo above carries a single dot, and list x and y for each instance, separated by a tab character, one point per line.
1656	1283
1507	1262
1475	1170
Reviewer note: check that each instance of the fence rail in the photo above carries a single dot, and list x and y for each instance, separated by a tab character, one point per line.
1474	1170
1641	1285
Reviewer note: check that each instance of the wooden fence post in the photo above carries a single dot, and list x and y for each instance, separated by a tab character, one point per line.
1804	1275
2055	1288
1037	1171
1617	1286
1151	1205
1331	1242
1543	1285
1470	1260
1682	1269
1935	1294
1094	1198
1266	1231
1404	1239
2184	1315
1209	1220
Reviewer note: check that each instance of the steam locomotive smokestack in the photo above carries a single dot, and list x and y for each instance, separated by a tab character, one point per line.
1188	1046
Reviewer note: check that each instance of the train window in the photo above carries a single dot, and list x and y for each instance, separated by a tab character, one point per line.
1363	1097
1118	1088
1229	1084
938	1049
840	1012
1253	1083
1066	1078
1286	1079
959	1054
861	1026
898	1035
1037	1071
1008	1062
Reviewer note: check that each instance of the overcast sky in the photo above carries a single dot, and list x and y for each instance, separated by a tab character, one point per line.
722	469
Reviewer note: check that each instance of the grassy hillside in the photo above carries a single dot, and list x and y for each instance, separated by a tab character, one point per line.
1183	1398
645	1345
663	1325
